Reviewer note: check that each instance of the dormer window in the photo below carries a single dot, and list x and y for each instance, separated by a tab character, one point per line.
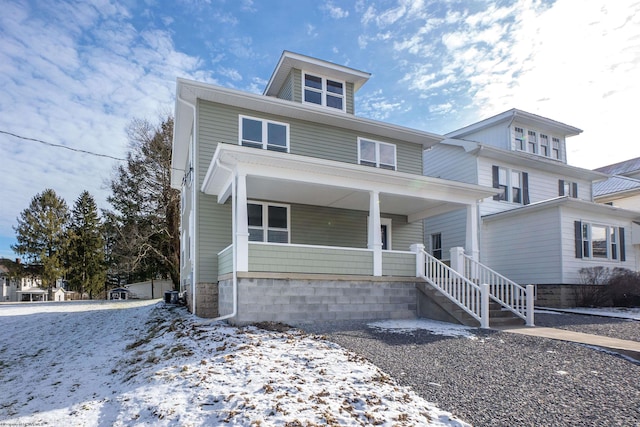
544	145
555	148
534	142
322	91
520	139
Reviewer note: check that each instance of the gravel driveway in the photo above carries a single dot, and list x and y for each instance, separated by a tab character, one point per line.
502	379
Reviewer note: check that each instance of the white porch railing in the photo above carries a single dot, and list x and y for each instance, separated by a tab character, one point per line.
470	297
508	294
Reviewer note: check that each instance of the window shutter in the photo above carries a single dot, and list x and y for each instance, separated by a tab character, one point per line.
575	190
496	181
622	254
525	188
561	187
578	238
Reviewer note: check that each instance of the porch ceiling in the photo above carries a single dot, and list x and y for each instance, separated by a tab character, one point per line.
288	178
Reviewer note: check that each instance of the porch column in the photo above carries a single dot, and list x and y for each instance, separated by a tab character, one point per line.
242	224
471	243
375	236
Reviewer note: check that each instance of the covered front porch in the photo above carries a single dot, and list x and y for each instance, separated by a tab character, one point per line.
288	213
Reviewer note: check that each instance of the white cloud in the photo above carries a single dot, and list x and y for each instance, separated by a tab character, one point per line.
230	73
334	11
76	78
376	106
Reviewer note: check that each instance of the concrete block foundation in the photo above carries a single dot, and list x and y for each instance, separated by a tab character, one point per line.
305	299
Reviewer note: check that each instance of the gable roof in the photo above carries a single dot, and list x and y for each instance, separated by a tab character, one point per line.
522	117
582	205
289	60
621	168
614	185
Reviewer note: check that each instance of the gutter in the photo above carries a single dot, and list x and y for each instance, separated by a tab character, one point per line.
194	204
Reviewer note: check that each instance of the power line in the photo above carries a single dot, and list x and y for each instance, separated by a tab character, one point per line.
51	144
78	150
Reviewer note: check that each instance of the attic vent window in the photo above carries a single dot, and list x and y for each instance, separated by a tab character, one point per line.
321	91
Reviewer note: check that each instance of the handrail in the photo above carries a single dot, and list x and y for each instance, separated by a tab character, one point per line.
507	293
470	297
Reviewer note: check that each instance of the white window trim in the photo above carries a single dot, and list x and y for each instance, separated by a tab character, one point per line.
538	143
378	144
509	184
608	231
265	127
323	92
265	221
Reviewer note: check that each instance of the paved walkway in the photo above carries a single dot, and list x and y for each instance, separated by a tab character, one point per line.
630	348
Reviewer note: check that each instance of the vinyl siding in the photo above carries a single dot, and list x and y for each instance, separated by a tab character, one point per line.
219	123
286	91
542	186
525	248
293	259
398	264
323	226
450	162
349	95
403	233
497	136
317	225
453	228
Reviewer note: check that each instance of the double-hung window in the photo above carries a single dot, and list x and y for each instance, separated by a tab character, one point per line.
268	222
377	154
513	185
544	145
555	148
532	139
265	134
519	136
598	241
323	91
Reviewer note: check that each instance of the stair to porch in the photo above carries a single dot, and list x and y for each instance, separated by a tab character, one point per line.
432	304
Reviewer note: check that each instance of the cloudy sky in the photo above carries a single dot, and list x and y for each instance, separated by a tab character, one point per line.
76	73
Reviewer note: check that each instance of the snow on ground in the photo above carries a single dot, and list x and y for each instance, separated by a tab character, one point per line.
144	363
618	312
404	326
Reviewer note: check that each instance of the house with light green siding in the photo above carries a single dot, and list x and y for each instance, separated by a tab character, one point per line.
296	209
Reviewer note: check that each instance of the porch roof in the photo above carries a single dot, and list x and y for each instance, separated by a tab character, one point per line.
583	205
290	178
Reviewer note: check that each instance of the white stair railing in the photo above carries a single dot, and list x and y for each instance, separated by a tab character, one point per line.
470	297
507	293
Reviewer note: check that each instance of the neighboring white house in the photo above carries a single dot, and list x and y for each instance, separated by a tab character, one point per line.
622	189
543	226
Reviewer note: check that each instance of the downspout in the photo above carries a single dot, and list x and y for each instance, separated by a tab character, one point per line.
234	273
194	204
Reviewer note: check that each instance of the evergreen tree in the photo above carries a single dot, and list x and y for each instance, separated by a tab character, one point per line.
41	234
146	213
85	257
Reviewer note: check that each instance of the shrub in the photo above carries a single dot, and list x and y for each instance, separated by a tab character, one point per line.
593	292
624	288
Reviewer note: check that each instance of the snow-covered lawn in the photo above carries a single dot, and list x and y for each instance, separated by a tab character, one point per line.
142	363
